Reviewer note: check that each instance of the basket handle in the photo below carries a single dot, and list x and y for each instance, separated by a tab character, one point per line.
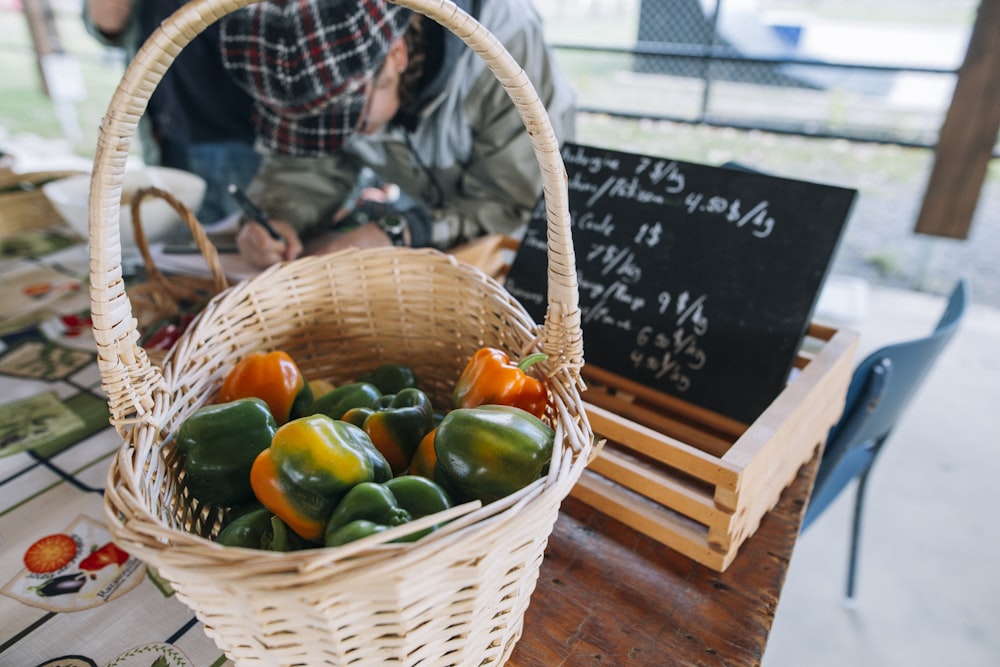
130	379
208	250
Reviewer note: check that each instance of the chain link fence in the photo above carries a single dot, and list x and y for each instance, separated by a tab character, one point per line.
880	72
872	71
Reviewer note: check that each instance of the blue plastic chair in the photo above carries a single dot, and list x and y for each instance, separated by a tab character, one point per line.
880	390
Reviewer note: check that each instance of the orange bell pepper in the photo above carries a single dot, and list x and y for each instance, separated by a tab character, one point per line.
273	377
491	378
425	458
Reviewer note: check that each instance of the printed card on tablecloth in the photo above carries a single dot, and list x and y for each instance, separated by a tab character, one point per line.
70	596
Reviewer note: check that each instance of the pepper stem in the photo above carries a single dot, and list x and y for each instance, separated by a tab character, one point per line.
531	360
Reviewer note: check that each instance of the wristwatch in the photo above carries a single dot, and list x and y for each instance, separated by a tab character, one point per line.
394	227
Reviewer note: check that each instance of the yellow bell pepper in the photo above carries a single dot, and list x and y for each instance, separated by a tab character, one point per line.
311	464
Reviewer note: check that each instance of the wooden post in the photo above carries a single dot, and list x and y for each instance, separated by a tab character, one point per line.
42	25
968	134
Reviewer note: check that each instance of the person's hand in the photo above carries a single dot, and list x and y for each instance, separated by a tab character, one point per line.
384	194
109	16
257	247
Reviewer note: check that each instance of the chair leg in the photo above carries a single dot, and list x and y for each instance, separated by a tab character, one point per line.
852	565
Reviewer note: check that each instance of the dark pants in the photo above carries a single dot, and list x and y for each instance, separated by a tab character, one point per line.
219	163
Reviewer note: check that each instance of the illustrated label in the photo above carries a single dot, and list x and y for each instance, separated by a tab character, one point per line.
79	568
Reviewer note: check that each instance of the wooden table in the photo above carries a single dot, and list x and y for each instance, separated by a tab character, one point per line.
608	595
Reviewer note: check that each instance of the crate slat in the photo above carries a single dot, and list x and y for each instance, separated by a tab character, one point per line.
701	483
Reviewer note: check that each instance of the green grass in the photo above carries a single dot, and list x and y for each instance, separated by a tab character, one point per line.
26	108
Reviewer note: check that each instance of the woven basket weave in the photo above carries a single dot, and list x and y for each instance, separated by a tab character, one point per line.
160	298
456	597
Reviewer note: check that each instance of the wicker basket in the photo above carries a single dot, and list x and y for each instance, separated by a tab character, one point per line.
456	597
160	297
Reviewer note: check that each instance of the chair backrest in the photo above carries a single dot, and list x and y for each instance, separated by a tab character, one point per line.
880	389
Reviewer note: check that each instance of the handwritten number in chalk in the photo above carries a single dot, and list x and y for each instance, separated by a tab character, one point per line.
663	299
692	201
649	234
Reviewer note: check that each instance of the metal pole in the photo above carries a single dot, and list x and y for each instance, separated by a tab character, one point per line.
706	70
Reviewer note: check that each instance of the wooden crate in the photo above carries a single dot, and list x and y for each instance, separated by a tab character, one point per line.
696	481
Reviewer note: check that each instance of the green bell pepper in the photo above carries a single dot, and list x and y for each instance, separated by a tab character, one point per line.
392	378
338	401
355	530
219	443
490	451
396	425
311	463
372	508
260	529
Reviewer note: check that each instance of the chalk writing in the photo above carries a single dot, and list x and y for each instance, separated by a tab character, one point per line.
694	280
761	224
615	260
603	225
590	161
649	234
671	350
661	172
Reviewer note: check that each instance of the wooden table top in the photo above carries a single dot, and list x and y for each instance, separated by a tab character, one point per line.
609	595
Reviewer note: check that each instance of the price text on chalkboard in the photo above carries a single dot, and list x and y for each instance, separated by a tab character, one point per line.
695	280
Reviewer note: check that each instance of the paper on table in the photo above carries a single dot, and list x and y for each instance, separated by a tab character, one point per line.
193	264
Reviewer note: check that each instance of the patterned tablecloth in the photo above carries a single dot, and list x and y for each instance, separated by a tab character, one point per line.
71	598
68	596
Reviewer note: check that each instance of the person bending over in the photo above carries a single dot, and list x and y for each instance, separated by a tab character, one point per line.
379	126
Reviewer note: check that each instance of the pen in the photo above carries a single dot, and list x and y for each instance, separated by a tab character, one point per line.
253	212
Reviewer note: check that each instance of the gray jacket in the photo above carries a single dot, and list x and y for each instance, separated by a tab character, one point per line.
469	161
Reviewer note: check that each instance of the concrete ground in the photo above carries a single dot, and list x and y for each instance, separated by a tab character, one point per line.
927	591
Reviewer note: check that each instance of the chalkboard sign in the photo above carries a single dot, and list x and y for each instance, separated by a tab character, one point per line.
698	281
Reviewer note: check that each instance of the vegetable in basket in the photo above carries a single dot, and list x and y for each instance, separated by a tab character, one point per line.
397	425
220	443
391	378
336	402
261	529
424	459
320	386
271	376
491	378
311	463
491	451
372	508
